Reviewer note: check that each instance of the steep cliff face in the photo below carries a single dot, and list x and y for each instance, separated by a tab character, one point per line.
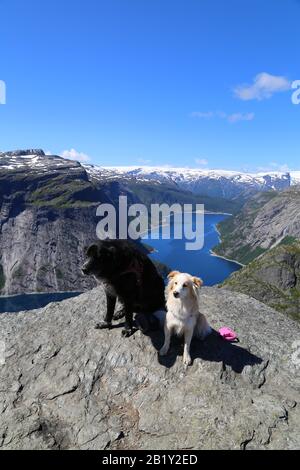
42	250
273	278
47	217
65	385
264	221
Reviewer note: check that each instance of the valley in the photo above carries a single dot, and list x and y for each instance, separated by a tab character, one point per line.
48	216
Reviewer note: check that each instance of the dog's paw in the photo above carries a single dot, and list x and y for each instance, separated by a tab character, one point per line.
127	332
103	325
163	351
187	360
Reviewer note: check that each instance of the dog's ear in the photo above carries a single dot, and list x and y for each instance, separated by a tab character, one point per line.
173	274
198	282
92	250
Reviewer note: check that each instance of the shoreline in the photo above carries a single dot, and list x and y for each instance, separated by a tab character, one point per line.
217	213
11	296
212	253
163	224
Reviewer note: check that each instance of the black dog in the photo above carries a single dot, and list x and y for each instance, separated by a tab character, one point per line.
127	274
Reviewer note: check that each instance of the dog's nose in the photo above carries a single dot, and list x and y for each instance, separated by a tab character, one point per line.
176	295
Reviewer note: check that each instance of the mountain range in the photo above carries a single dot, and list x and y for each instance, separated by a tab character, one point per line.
48	215
214	183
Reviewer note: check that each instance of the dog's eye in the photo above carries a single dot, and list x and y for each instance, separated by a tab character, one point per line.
185	285
175	283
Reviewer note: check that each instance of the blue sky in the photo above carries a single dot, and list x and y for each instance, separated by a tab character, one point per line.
158	82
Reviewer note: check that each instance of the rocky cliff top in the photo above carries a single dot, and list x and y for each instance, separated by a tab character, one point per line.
27	152
65	385
36	161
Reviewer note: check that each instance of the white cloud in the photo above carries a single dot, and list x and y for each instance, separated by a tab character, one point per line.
72	154
232	118
201	161
263	87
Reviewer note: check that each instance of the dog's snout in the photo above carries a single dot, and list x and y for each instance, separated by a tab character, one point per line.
176	294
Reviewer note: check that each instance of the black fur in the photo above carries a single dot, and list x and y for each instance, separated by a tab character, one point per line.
127	274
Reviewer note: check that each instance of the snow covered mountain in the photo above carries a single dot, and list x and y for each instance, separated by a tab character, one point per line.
35	161
213	183
295	177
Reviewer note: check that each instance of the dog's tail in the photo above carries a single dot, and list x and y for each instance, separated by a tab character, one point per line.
161	317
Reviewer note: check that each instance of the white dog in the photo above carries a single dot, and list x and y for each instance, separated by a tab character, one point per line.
183	315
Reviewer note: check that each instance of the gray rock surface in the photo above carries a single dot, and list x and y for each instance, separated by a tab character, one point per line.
264	221
65	385
42	250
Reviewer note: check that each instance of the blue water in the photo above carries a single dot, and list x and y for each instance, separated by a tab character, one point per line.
211	269
18	303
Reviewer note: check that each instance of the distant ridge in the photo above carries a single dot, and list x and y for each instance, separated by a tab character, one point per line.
224	184
214	183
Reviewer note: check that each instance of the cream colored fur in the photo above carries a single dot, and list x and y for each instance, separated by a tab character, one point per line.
183	316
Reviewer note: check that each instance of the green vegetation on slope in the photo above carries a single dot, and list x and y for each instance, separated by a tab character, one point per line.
273	278
153	193
62	194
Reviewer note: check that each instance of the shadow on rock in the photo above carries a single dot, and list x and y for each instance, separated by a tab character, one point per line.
213	349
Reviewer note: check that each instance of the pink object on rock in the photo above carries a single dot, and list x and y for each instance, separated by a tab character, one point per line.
228	334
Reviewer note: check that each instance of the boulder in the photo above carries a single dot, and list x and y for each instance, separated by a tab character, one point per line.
65	385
